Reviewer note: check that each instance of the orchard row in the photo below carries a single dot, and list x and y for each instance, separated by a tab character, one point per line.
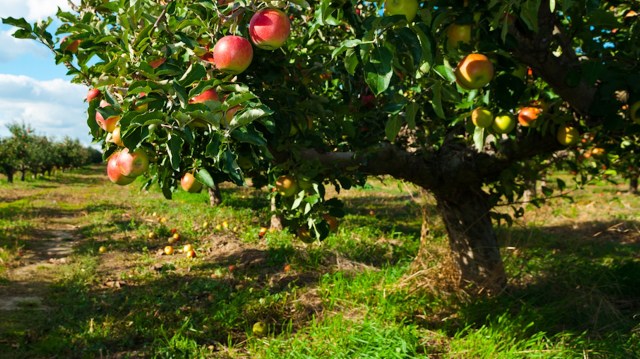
24	151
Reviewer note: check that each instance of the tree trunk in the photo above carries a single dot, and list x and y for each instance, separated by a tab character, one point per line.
9	176
276	221
215	197
633	185
23	176
530	191
472	239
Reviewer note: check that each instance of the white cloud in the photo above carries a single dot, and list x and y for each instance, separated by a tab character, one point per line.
13	48
32	10
54	108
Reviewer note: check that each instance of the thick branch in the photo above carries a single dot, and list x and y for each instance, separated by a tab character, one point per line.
537	51
385	159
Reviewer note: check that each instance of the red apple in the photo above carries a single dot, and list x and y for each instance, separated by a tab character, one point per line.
206	95
528	115
189	183
114	173
93	93
232	54
228	116
155	63
269	28
133	164
69	45
474	71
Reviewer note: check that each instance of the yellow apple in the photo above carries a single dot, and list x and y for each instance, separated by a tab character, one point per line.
482	117
568	135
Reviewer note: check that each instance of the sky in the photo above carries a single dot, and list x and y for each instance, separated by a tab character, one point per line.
33	89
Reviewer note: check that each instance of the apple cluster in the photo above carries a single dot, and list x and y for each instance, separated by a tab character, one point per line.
269	29
123	166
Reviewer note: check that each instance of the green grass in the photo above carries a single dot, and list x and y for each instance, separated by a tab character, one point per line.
574	278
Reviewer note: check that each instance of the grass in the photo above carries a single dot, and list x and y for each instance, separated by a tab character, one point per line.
574	271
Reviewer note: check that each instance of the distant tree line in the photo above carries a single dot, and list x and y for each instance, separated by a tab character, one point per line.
24	151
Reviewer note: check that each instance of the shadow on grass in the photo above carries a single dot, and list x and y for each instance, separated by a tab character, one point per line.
172	313
582	280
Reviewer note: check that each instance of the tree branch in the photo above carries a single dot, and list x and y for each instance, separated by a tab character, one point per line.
536	50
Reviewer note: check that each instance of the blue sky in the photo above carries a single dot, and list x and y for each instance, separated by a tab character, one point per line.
33	89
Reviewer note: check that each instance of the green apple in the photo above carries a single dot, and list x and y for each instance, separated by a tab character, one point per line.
457	34
504	123
408	8
482	117
286	185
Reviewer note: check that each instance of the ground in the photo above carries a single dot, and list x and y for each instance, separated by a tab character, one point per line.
574	271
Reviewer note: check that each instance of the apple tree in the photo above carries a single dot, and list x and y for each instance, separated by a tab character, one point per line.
458	97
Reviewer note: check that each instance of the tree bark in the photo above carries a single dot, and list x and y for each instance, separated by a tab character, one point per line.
633	185
472	239
215	197
276	221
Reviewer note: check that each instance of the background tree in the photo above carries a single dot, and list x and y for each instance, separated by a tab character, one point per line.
354	93
8	157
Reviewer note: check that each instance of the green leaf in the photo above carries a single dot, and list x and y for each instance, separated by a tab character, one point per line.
378	70
239	98
410	41
19	23
213	147
436	100
561	184
24	34
446	72
250	115
174	149
194	73
230	167
410	114
345	45
529	14
479	136
426	42
351	61
393	127
204	176
249	135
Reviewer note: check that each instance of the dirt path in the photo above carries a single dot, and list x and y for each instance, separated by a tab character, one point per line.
30	279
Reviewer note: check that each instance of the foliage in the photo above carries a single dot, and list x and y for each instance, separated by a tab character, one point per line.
25	151
354	93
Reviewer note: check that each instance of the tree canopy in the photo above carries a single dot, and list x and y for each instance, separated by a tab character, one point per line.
359	88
